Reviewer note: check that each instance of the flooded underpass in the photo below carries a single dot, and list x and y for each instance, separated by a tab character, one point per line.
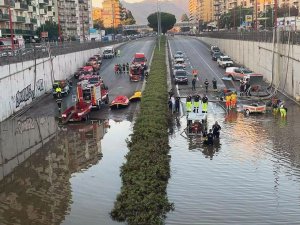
251	177
53	174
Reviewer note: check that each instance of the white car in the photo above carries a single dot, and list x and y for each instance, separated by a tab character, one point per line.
179	61
178	54
224	61
108	53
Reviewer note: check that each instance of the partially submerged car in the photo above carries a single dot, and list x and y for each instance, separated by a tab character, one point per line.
239	73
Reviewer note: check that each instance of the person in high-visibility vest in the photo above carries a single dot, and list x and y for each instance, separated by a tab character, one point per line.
228	101
233	99
282	111
204	104
189	104
196	103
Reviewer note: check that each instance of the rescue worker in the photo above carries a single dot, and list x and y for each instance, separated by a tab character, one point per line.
116	68
119	53
124	68
196	103
216	130
120	68
233	99
247	89
210	138
214	82
173	103
127	67
206	83
189	104
58	91
194	84
204	104
283	111
242	88
177	104
228	101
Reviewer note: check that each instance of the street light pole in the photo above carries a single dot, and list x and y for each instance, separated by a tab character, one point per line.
158	26
11	29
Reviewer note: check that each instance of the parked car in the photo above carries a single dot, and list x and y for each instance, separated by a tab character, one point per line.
179	61
238	73
224	61
178	54
178	67
180	76
108	53
216	55
214	49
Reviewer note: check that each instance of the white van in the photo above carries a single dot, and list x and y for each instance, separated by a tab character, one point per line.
108	53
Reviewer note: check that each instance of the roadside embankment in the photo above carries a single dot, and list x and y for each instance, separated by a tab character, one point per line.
143	198
26	81
281	69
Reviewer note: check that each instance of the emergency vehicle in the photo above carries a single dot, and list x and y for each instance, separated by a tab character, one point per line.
139	58
94	93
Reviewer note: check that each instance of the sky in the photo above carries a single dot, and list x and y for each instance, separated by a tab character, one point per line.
98	3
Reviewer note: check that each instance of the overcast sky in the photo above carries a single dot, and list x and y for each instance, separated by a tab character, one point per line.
97	3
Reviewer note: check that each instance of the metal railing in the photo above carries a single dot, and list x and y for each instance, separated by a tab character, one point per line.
41	50
258	36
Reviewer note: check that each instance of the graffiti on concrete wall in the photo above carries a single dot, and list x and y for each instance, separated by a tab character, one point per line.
24	125
24	95
40	85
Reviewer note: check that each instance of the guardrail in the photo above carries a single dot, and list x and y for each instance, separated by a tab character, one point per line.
36	51
259	36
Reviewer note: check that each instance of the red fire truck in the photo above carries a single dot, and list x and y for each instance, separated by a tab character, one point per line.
94	93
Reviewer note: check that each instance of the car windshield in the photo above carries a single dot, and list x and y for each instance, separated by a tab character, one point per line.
93	80
217	54
107	51
246	71
139	59
178	67
226	59
179	53
216	49
181	74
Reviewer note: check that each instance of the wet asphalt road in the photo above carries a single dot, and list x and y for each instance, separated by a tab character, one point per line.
117	85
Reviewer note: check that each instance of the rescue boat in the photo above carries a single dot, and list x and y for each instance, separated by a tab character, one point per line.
120	101
136	96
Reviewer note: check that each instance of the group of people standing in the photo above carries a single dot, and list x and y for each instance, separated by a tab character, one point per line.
245	88
231	100
122	68
278	106
206	84
193	103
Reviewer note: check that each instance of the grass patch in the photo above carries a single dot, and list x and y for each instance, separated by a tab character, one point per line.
143	199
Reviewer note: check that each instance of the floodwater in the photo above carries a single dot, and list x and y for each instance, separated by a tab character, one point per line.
60	175
251	177
69	175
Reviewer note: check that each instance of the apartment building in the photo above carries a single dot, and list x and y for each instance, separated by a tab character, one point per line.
111	13
193	10
25	18
96	13
74	17
206	8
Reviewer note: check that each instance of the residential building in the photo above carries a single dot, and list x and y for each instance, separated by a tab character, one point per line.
74	17
206	11
96	13
193	10
24	17
111	14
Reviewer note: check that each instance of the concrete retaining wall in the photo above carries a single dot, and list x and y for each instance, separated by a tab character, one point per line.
20	85
257	56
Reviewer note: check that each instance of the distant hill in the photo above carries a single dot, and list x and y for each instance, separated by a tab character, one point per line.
142	10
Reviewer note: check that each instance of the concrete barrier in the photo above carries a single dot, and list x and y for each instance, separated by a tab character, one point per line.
23	82
257	56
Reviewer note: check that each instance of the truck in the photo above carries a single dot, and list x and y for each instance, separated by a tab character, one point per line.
94	93
109	53
140	58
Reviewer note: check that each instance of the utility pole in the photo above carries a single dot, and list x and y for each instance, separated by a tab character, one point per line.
256	14
83	36
11	28
158	25
58	22
275	13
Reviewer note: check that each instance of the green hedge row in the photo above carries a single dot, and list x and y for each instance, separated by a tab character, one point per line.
143	199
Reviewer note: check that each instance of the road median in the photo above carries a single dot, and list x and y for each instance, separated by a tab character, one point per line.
143	198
